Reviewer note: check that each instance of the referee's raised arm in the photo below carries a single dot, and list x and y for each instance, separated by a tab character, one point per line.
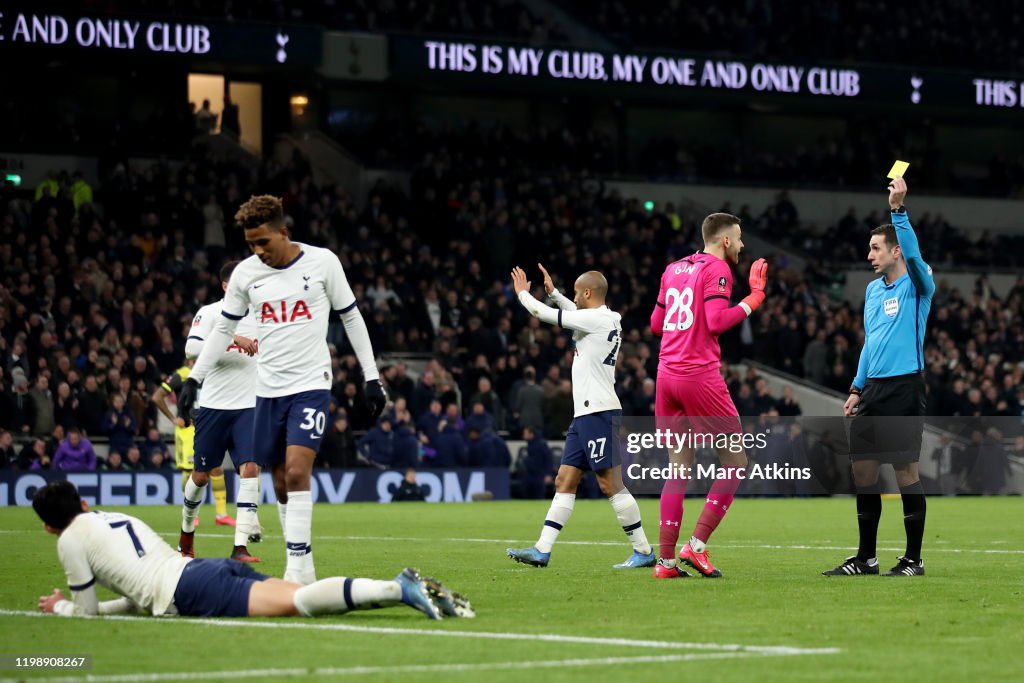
920	272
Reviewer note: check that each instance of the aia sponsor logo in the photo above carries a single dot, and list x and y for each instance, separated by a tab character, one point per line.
283	313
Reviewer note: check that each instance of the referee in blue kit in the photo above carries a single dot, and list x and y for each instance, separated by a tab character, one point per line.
890	383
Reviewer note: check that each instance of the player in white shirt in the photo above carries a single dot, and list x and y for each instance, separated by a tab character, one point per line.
225	421
590	441
291	289
122	553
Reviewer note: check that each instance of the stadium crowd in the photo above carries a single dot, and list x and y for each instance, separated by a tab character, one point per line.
99	288
936	33
927	33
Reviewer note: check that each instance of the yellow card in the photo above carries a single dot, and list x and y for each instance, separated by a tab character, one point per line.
899	169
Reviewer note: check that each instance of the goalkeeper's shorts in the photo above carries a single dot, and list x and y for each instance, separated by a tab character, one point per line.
184	447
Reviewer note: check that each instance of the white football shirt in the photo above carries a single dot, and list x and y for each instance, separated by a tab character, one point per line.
598	334
231	385
121	553
291	306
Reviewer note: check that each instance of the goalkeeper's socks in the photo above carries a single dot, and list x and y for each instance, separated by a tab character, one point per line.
914	508
220	494
869	512
673	493
297	536
718	502
558	514
247	517
628	513
338	595
190	508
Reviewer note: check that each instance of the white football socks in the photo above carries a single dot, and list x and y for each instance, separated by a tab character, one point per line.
628	513
282	516
247	517
338	595
190	508
297	536
558	515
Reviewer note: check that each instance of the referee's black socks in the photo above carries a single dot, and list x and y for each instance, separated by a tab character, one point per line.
914	508
869	511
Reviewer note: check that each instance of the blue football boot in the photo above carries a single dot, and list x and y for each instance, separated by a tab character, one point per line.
415	593
638	560
530	556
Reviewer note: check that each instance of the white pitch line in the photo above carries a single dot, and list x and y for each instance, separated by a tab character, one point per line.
520	541
401	669
484	635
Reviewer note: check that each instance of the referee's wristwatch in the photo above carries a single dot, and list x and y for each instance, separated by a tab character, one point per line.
854	390
901	209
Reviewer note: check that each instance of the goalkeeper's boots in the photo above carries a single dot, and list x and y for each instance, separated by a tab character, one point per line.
185	546
241	554
225	520
906	567
699	561
854	567
530	556
664	571
415	593
451	604
637	560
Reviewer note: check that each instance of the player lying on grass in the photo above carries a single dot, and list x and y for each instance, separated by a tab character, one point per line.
589	443
123	554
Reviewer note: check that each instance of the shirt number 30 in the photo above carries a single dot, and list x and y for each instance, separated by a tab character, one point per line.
680	310
315	420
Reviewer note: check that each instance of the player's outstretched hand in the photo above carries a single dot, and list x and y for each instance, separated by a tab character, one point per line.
519	282
758	275
549	284
376	398
187	400
897	192
47	602
758	281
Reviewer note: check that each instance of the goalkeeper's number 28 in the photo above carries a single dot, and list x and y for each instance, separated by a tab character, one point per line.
679	316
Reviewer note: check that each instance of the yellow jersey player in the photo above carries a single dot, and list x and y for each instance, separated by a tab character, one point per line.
184	442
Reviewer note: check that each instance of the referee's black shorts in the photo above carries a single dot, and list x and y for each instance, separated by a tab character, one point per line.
890	420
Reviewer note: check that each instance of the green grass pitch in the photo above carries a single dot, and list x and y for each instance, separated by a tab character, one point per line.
772	617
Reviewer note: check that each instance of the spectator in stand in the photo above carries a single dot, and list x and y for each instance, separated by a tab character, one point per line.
479	419
133	459
91	406
559	410
119	425
34	456
451	449
42	402
428	423
378	444
74	453
339	447
528	408
536	465
114	463
408	490
8	456
206	119
788	405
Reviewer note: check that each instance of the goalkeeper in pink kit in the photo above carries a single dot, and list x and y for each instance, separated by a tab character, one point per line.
692	311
